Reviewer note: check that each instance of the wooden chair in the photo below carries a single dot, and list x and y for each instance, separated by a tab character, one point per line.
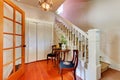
69	65
52	55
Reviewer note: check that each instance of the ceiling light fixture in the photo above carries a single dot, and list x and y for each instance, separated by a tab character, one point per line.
46	4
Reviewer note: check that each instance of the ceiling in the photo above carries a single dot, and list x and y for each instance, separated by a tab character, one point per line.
56	3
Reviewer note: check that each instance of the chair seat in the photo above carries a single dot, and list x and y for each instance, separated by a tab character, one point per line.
69	65
51	55
63	65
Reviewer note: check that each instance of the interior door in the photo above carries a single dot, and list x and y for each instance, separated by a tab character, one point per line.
45	40
13	41
41	41
39	38
32	42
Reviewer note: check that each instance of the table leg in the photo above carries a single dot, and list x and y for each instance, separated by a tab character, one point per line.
64	57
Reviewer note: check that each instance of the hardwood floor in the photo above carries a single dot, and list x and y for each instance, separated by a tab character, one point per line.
111	74
43	71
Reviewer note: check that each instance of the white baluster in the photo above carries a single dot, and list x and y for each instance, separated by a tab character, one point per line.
82	52
85	57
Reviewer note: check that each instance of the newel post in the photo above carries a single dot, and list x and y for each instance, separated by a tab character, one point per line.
94	67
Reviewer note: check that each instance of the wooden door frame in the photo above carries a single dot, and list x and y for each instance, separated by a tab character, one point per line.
18	73
1	39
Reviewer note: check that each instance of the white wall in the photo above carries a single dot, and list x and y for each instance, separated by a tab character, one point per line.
105	15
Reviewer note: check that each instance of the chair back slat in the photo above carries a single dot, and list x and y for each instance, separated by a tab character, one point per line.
75	58
53	47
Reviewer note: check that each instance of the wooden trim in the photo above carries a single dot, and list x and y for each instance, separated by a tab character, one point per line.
41	60
8	33
7	48
18	22
12	47
18	47
36	61
12	20
1	39
14	40
8	18
7	63
17	34
11	34
17	58
23	38
10	62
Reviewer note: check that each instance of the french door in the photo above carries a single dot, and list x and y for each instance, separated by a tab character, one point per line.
12	35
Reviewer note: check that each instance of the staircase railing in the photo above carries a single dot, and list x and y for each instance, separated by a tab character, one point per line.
77	39
87	44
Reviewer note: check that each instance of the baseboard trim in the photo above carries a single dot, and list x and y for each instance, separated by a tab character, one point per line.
115	66
36	61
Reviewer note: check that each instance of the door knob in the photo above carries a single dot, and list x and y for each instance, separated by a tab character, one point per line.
24	45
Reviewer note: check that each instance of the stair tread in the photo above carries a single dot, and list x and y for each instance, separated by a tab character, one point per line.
104	66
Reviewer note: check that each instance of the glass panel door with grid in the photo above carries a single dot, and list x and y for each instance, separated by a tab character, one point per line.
13	41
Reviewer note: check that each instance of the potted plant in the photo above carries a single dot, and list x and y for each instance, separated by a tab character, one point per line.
63	41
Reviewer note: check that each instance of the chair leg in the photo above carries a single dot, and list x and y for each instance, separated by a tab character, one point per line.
55	61
52	59
74	74
61	74
47	59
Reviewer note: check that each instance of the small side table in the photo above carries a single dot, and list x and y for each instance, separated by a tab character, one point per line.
60	52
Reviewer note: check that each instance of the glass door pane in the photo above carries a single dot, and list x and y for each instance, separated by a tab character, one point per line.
18	41
18	17
18	57
7	70
8	26
8	11
18	29
8	41
7	63
7	56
